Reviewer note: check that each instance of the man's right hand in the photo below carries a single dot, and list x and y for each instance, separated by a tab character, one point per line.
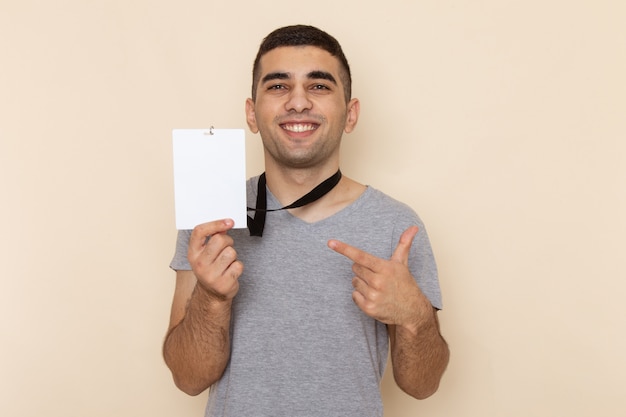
214	260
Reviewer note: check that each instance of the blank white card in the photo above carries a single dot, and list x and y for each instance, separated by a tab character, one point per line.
209	176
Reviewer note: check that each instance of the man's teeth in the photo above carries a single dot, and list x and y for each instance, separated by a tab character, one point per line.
299	127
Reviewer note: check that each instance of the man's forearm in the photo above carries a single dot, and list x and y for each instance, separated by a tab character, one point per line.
419	358
198	348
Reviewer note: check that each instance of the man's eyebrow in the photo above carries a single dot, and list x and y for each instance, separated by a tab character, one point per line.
276	76
322	75
313	75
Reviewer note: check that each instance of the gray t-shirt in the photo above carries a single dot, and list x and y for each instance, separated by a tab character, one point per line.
300	346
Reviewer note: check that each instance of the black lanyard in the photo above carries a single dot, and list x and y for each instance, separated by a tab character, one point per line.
256	224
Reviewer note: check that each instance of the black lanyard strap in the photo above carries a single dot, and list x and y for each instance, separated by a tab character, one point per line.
256	224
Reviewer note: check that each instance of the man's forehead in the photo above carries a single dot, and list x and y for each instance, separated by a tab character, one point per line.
298	60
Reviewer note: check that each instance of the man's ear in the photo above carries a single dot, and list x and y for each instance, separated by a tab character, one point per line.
251	116
352	116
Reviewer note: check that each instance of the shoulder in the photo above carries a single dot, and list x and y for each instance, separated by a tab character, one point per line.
252	184
383	205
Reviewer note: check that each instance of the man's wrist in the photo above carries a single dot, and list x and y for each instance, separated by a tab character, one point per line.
211	301
420	325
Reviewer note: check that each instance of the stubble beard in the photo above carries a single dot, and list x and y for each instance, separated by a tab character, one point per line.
313	155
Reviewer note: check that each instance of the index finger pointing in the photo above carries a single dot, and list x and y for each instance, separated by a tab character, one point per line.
354	254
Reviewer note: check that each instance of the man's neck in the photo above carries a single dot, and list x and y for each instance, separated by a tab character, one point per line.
288	185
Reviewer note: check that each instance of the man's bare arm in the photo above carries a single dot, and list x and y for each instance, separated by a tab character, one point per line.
386	291
419	357
197	344
197	347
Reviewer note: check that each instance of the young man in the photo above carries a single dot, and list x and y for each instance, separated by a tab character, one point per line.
294	317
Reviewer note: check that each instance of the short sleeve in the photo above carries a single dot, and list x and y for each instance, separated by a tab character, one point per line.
180	261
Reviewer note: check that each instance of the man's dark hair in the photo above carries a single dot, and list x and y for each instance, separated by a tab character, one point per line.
303	35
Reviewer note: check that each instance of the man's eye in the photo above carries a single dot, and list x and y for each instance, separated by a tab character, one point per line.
320	87
276	87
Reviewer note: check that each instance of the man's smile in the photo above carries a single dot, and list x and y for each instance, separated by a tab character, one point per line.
299	127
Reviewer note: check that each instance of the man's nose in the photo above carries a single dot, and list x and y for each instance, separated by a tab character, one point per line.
298	100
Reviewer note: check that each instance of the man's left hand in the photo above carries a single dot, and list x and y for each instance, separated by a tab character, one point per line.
385	289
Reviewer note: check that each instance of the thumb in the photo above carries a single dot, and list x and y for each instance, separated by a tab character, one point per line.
401	253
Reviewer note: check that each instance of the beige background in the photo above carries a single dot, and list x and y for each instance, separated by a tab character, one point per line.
502	122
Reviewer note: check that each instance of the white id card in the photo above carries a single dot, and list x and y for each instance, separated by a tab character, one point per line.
209	176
